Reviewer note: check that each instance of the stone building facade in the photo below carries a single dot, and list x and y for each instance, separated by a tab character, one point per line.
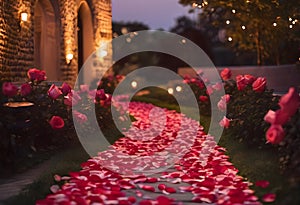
58	36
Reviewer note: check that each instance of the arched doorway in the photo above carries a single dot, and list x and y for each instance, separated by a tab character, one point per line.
85	38
46	40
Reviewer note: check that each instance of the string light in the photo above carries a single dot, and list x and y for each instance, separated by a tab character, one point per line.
233	11
170	91
274	24
291	26
230	39
227	22
243	27
290	19
294	22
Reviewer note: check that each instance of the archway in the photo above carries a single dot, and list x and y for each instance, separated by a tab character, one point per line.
46	39
84	37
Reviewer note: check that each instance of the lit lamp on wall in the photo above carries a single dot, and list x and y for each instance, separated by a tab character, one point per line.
24	16
69	58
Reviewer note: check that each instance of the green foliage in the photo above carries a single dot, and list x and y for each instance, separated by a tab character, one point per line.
247	109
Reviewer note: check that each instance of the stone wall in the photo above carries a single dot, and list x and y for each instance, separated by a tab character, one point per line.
17	38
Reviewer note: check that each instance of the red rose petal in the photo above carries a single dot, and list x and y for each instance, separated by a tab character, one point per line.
269	197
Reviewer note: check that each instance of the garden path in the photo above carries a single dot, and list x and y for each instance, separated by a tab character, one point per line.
14	185
204	174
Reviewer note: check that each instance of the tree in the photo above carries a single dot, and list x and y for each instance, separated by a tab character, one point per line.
182	23
266	27
120	27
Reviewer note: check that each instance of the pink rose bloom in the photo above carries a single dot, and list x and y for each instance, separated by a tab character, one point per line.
270	117
259	85
92	94
9	89
225	122
84	88
209	90
226	74
203	98
290	102
279	117
222	104
54	92
218	86
249	79
275	134
65	88
25	89
226	97
79	117
72	98
241	82
56	122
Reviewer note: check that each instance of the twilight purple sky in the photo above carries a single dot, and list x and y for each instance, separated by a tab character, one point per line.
154	13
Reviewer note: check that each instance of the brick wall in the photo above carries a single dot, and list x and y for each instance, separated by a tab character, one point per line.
16	42
17	39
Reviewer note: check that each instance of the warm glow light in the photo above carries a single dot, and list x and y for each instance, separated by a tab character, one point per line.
170	91
227	22
230	39
243	27
134	84
24	16
294	22
290	19
69	57
102	53
233	11
274	24
178	88
291	26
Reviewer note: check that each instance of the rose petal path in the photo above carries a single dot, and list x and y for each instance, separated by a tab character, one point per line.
203	174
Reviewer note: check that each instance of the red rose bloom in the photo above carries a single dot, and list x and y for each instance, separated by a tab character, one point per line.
57	122
203	98
259	85
9	89
226	74
36	74
65	88
241	82
25	89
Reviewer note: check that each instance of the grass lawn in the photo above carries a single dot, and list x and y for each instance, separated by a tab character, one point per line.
61	163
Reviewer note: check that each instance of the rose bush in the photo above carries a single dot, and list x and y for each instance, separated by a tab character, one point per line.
49	122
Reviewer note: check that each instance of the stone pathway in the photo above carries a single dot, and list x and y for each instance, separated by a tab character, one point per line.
14	186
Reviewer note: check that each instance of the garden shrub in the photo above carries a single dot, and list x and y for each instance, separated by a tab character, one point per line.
48	124
246	109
